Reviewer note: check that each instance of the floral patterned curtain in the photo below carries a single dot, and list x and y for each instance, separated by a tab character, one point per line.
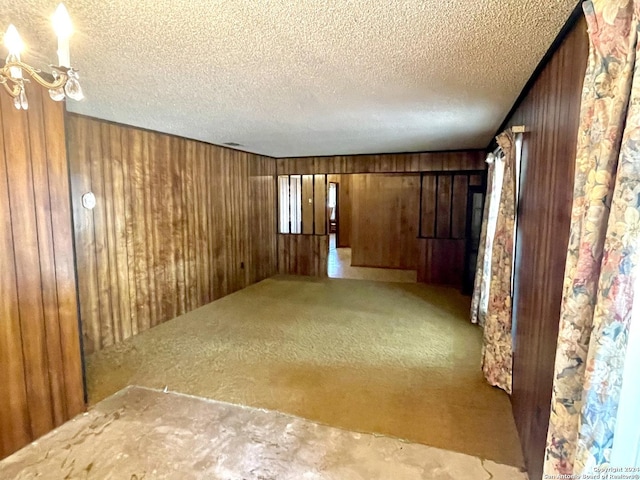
480	298
604	247
497	343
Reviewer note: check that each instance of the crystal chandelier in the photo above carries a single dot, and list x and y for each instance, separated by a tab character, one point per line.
64	81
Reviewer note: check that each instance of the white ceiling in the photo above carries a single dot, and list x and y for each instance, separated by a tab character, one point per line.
305	77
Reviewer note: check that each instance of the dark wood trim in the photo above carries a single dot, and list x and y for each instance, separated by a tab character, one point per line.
416	152
85	391
435	216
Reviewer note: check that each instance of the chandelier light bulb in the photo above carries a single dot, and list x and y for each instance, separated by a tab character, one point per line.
15	45
63	28
15	74
62	22
13	42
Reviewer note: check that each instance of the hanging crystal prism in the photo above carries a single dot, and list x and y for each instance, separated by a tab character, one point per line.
72	88
24	103
56	94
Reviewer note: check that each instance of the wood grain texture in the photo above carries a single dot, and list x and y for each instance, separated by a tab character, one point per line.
385	218
320	204
428	208
444	203
303	255
308	205
178	223
40	356
380	216
441	261
384	163
445	198
551	113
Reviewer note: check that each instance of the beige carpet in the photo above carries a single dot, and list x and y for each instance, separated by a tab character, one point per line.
390	358
146	434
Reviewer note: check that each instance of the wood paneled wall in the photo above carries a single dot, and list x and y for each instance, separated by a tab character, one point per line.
551	112
441	261
178	223
461	167
303	255
40	360
385	220
443	213
385	163
443	226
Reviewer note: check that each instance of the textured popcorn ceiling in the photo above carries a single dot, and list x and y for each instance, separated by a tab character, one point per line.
305	77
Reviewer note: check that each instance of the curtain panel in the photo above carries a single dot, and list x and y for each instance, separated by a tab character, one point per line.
602	260
497	342
480	299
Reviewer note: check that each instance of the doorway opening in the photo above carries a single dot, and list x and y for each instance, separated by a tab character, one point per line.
356	222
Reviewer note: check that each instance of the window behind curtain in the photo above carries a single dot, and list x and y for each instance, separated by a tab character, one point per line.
295	201
283	202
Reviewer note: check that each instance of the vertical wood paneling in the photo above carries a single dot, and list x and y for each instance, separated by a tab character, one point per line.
27	262
178	223
39	167
320	204
385	220
550	112
441	261
65	272
303	255
345	204
444	204
308	205
385	163
15	425
262	226
459	206
40	356
429	202
443	210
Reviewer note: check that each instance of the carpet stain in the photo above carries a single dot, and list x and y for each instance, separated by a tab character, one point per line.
389	358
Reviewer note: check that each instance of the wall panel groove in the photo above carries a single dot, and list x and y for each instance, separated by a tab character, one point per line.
40	361
550	111
391	163
178	223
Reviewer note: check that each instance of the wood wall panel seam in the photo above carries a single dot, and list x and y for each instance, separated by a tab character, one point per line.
550	110
39	340
190	219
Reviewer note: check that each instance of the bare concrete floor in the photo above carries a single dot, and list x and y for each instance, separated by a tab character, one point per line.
146	434
396	359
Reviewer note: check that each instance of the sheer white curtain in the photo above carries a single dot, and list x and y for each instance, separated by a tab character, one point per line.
492	220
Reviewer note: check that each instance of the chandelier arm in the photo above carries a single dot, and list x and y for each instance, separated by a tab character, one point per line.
34	74
13	92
